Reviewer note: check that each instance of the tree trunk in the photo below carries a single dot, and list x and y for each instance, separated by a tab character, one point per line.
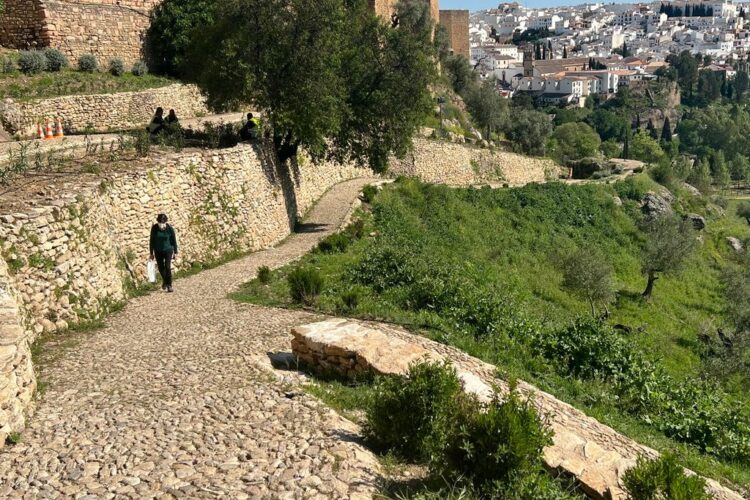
285	147
650	285
593	309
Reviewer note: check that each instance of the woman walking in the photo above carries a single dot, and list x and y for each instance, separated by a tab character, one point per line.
163	247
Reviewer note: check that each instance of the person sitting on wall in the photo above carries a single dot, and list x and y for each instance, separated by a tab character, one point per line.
251	129
156	126
172	118
163	247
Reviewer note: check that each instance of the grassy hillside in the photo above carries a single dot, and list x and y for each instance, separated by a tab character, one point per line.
480	269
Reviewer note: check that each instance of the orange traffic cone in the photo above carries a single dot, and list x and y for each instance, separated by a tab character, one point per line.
58	128
39	131
49	134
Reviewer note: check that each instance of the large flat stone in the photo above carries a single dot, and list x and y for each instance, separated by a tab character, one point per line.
596	455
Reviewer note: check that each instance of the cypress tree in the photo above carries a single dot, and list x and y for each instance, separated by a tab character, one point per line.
626	147
565	52
652	130
666	131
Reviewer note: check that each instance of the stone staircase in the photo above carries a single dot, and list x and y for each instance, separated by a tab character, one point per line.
596	455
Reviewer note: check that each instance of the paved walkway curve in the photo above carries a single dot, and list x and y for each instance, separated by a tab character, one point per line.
170	400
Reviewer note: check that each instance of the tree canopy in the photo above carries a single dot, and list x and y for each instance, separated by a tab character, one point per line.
669	243
645	148
174	24
573	141
530	130
330	75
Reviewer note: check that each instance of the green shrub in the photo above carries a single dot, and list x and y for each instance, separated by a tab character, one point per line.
88	63
116	67
7	65
305	285
31	62
264	274
335	243
663	479
142	143
587	349
496	443
56	60
356	229
350	299
140	68
743	210
368	193
401	414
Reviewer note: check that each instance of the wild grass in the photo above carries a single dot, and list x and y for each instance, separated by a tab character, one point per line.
505	245
71	82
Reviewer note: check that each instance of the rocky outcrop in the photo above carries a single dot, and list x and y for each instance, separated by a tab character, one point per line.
698	221
691	189
735	243
654	204
596	455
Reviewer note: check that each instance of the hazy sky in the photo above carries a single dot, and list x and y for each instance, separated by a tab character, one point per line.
489	4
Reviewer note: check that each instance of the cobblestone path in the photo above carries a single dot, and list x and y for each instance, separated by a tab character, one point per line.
171	399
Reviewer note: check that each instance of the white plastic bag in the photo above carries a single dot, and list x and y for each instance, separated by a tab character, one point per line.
151	271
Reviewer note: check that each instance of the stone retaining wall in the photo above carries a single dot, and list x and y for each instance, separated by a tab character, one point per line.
103	112
72	259
455	164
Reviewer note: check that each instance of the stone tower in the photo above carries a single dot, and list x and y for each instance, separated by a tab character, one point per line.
528	60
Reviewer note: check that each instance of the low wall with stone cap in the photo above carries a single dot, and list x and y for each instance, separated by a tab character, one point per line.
455	164
101	112
596	455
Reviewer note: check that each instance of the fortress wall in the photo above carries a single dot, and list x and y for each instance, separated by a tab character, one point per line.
21	24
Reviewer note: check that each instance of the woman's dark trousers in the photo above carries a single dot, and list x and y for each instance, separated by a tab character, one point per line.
164	261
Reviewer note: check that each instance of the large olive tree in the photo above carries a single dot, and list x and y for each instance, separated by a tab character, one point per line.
330	75
669	242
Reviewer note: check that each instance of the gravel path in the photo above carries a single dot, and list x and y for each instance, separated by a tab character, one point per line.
172	399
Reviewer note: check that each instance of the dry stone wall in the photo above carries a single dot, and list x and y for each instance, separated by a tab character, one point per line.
17	381
74	258
455	164
103	112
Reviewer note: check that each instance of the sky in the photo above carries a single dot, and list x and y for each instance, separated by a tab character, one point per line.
490	4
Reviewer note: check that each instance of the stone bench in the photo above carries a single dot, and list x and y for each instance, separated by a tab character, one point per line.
596	455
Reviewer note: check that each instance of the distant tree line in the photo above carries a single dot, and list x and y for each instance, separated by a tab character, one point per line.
698	10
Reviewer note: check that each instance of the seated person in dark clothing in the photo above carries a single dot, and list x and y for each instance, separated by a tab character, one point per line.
156	126
172	118
250	130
